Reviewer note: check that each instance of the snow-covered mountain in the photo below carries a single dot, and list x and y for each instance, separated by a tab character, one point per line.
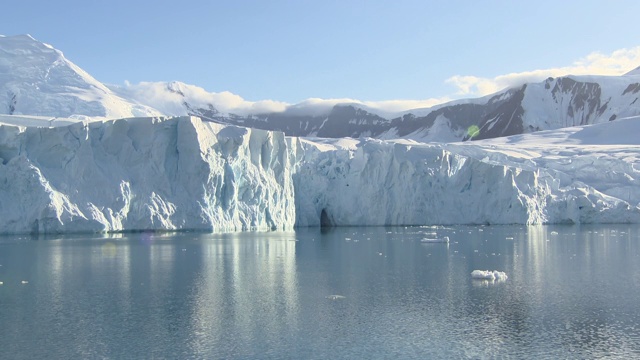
551	104
36	79
183	173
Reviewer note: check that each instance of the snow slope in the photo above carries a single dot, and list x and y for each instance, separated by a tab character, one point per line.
634	72
579	100
141	174
36	79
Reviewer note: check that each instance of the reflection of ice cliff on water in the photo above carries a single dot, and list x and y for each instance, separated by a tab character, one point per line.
182	173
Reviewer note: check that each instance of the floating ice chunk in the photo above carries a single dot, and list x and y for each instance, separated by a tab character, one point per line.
489	275
335	297
444	239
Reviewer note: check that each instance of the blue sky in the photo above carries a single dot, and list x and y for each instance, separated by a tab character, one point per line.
367	50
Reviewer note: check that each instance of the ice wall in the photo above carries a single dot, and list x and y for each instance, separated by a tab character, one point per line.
183	173
373	182
143	173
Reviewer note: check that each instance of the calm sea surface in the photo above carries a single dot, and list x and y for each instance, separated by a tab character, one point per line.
572	292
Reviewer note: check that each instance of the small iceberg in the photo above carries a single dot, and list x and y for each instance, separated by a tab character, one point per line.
489	275
444	239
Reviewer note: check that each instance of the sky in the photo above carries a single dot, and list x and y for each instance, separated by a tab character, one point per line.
402	53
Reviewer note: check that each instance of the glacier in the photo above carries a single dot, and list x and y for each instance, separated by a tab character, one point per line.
143	174
182	173
374	182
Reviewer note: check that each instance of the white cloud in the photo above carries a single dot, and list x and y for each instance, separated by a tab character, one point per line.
168	98
596	63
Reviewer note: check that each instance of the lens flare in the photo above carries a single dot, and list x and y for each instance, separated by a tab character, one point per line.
473	131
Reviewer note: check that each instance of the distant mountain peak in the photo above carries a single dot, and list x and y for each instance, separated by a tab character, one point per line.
36	79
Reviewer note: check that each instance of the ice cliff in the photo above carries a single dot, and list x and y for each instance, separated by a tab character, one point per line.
183	173
143	173
372	182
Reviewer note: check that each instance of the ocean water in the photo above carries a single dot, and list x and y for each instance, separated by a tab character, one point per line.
571	292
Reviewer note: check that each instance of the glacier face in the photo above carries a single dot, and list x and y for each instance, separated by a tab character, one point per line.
372	182
143	174
182	173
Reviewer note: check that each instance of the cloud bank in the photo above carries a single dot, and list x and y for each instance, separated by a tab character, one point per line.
596	63
169	98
